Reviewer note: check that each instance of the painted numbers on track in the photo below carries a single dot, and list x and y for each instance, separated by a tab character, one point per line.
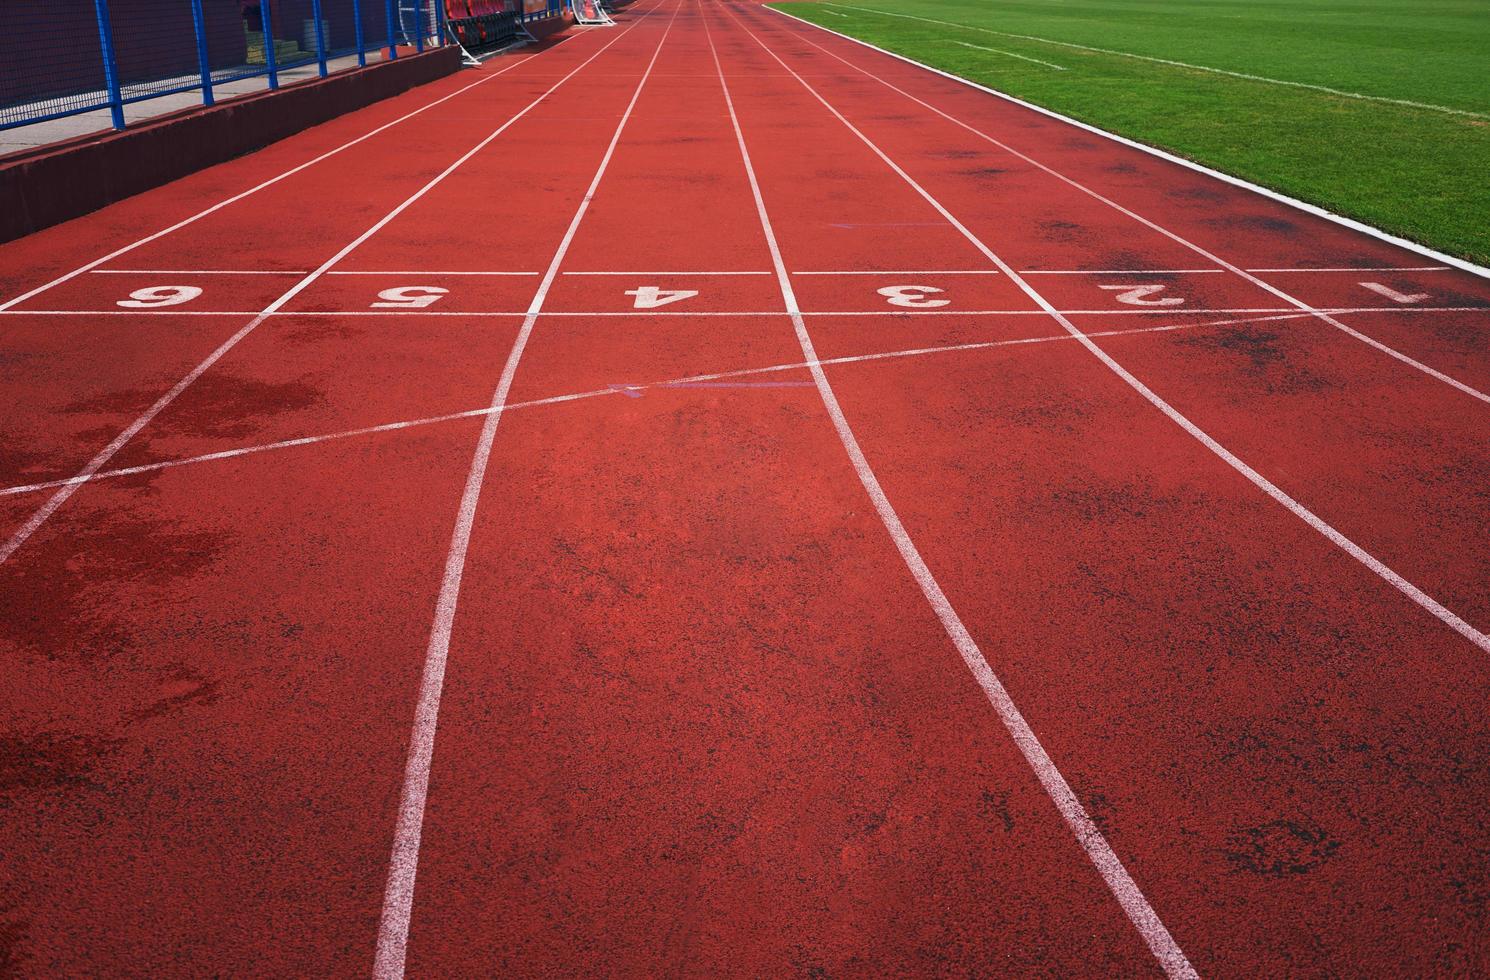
651	297
913	297
1393	295
155	297
1138	295
409	297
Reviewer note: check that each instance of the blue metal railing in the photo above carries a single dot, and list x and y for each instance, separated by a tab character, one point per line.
110	67
62	58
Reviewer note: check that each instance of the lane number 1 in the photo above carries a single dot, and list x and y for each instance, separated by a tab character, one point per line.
1393	295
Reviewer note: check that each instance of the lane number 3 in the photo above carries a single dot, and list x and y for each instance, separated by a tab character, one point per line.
914	297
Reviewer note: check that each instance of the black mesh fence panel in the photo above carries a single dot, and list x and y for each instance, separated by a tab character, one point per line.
154	47
62	57
51	62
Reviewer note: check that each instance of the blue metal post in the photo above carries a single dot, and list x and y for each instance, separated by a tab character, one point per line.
271	58
315	11
421	7
361	42
110	65
392	30
442	23
204	64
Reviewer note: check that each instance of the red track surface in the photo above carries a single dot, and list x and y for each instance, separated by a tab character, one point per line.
669	640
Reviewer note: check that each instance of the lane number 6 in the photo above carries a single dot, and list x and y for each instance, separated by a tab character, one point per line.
154	297
409	297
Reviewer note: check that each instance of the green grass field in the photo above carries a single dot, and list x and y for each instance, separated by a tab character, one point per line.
1422	172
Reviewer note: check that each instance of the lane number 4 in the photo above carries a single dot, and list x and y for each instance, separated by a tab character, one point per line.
651	297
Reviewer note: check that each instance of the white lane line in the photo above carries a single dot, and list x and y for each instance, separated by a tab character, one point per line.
643	386
1174	237
297	272
827	272
1179	161
672	313
148	313
200	272
1169	311
1026	341
246	451
349	272
1359	96
1087	834
108	452
398	897
1117	272
1175	272
905	312
1377	268
1417	595
899	272
1011	54
268	183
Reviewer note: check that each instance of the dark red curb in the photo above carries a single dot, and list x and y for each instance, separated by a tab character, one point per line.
52	184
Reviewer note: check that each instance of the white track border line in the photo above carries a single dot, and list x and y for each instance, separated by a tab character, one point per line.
667	273
1167	311
396	272
472	413
304	272
1011	54
200	272
92	266
1417	595
403	865
1087	834
101	460
1172	236
898	272
800	272
1293	202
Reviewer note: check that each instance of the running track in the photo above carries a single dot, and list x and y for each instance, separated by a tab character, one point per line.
920	537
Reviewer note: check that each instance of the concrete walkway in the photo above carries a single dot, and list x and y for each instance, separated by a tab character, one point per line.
66	128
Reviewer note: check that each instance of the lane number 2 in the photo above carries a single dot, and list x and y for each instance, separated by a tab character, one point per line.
409	297
154	297
651	297
1135	295
914	297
